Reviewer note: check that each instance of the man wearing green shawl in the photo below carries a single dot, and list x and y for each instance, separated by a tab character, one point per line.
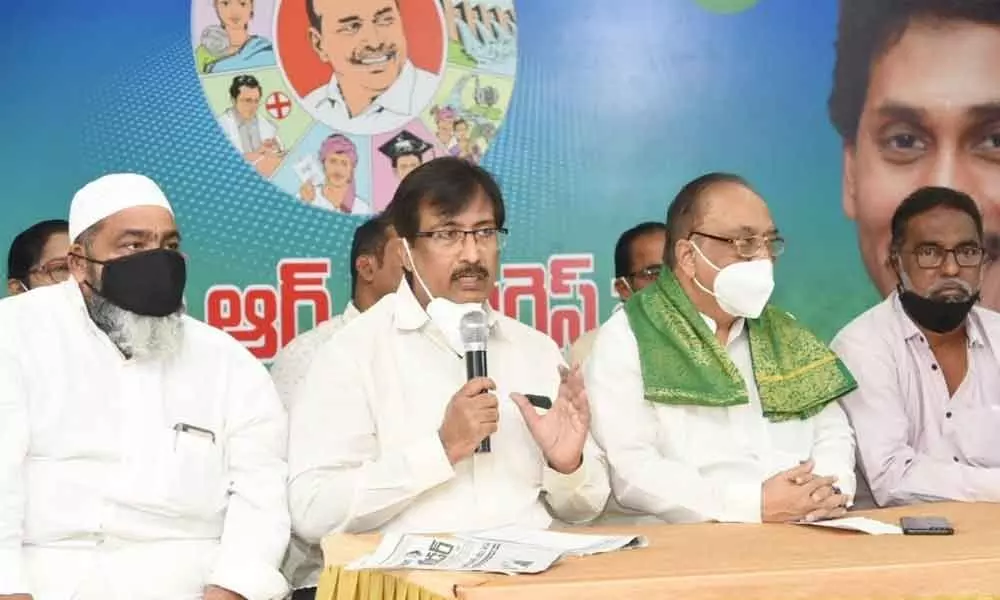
711	404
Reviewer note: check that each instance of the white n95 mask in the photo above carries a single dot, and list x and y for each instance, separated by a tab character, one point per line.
445	314
743	288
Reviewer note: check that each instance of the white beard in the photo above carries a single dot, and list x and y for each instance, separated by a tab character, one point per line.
138	336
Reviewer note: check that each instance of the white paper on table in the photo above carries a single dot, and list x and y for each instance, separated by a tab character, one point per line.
437	553
570	544
862	524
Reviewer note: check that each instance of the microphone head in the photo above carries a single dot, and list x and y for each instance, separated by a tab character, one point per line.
473	330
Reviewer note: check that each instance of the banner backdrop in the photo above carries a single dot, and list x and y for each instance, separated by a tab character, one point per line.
276	126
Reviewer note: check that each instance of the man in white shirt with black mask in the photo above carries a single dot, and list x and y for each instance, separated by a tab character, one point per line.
383	435
141	451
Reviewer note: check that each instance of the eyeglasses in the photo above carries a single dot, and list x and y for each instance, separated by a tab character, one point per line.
56	270
646	273
931	256
449	239
749	247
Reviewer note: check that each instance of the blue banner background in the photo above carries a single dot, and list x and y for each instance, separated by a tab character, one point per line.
616	105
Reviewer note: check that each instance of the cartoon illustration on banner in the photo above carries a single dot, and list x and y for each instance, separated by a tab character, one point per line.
334	101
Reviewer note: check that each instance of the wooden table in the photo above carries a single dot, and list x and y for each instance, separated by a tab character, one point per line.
773	562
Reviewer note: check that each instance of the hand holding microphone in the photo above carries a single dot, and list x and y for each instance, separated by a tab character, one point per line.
470	418
473	412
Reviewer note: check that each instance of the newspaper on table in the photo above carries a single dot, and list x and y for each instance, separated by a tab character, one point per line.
508	550
445	553
568	544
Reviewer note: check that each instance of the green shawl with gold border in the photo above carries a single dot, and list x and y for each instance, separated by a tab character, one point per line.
683	363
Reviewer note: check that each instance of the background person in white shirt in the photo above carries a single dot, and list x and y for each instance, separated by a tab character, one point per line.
141	451
375	272
638	259
374	88
710	404
383	433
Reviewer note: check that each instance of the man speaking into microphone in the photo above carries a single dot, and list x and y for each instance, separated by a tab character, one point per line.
384	433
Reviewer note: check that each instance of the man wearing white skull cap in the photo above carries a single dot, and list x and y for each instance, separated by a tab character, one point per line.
142	452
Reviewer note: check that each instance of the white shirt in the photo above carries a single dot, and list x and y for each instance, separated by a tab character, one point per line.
229	123
304	561
579	351
395	107
291	365
359	207
916	441
694	463
100	496
364	449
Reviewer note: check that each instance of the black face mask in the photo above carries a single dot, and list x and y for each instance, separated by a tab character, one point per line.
149	283
938	316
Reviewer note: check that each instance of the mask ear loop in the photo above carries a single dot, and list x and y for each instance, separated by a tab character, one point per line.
416	274
711	264
627	284
904	280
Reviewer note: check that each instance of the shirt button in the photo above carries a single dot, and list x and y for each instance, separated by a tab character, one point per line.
956	458
947	415
934	367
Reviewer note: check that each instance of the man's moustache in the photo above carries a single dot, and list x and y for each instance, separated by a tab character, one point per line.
478	272
359	56
954	290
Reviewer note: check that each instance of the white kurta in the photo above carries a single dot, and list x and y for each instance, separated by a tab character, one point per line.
100	495
291	365
364	449
698	463
304	561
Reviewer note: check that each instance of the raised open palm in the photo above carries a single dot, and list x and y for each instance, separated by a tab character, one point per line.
561	432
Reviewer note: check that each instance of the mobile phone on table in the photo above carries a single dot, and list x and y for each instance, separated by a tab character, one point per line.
926	526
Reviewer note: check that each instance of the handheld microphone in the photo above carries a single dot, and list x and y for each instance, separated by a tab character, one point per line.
473	331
